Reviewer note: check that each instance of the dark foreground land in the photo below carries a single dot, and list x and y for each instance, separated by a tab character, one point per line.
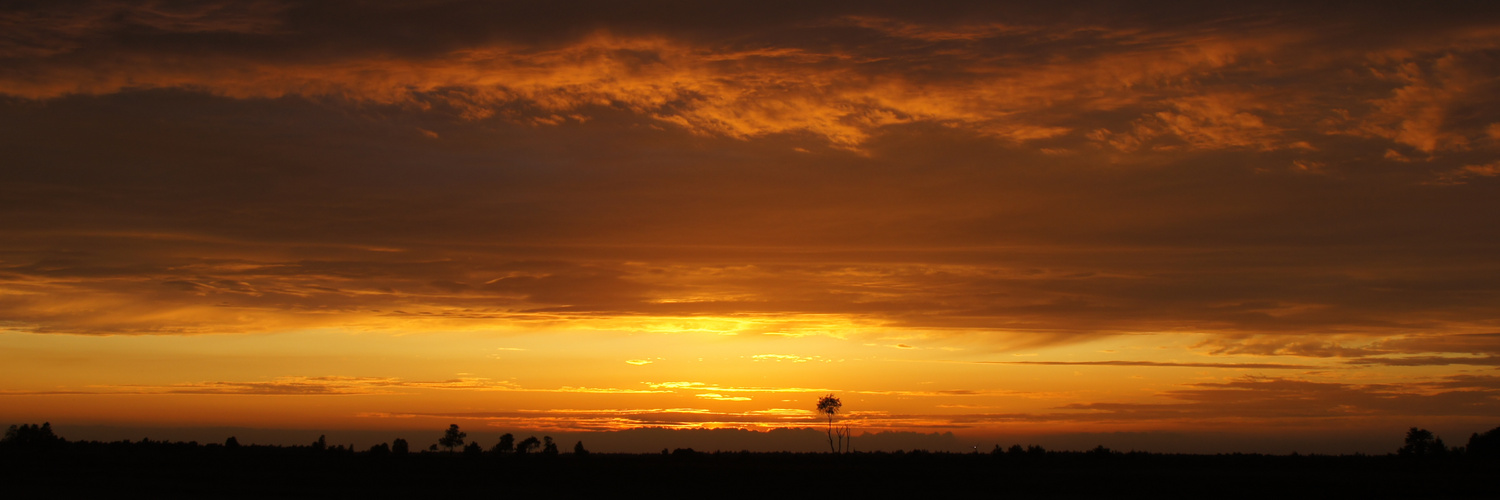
176	470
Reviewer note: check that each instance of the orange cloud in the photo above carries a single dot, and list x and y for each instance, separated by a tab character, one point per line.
830	197
343	385
725	91
1463	174
1260	398
1425	112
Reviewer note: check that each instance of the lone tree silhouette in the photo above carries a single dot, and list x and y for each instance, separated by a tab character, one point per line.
830	405
453	438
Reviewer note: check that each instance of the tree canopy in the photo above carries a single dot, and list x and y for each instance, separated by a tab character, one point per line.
453	438
527	445
829	404
837	437
1421	443
30	435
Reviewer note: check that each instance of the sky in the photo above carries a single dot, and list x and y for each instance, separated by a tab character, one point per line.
1265	226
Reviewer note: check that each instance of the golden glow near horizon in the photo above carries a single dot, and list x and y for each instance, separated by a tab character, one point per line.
989	220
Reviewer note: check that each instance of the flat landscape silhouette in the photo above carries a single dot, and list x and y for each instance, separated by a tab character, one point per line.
34	459
737	248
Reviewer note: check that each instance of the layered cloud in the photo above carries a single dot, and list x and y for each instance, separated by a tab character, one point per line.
1258	399
1250	400
1277	188
1259	84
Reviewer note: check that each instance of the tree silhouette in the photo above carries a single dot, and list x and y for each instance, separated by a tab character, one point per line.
453	438
231	442
473	449
548	447
830	405
400	447
32	436
321	443
1421	443
526	445
1485	445
507	444
579	450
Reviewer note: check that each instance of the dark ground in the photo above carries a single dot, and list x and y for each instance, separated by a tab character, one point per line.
167	470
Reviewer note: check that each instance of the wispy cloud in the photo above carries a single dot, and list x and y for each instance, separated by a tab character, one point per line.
1428	361
341	385
1256	398
1260	366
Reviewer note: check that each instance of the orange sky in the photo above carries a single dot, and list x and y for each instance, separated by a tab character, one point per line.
991	220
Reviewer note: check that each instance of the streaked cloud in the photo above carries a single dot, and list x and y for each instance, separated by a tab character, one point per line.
791	358
1259	366
1258	398
1161	98
337	385
700	386
882	201
1428	361
721	397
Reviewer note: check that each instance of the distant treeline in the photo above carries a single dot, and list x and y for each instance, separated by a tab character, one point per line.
22	438
34	459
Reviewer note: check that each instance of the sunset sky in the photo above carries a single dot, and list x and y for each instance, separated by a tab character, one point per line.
1017	219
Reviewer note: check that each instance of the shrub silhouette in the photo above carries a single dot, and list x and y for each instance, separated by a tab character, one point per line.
400	447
